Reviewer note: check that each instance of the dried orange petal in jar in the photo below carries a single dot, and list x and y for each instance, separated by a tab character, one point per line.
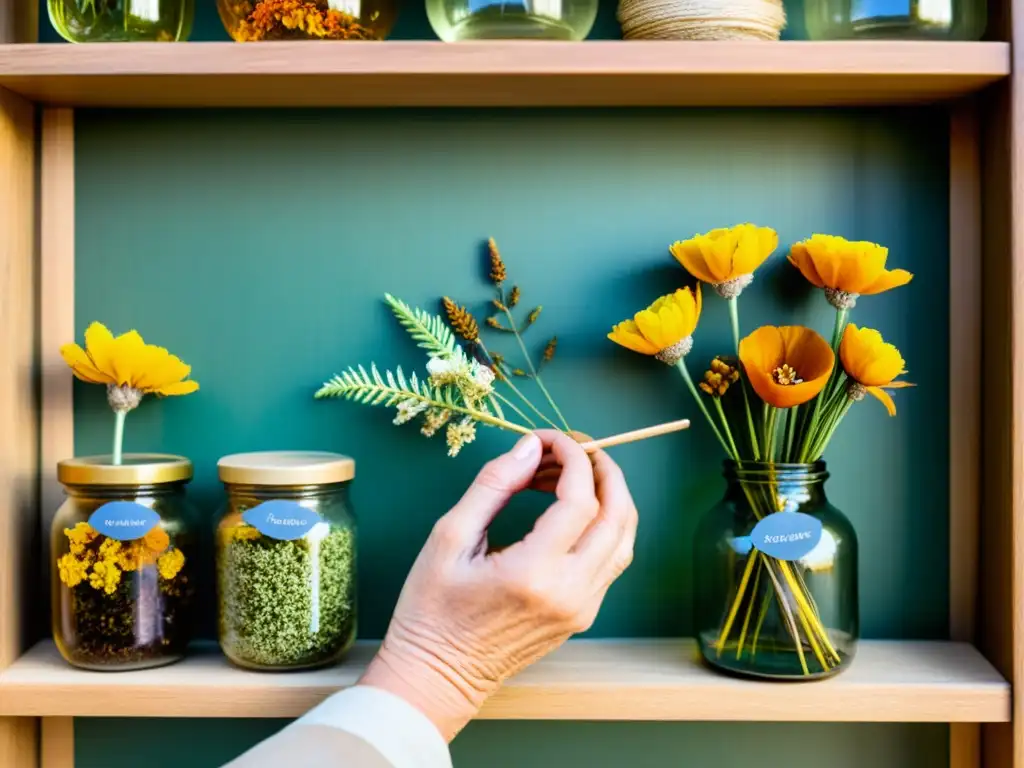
254	20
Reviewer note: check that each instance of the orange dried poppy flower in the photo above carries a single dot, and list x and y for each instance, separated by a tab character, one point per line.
872	364
846	269
726	258
664	329
786	366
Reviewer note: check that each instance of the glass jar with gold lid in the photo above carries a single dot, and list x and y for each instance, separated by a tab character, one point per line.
122	548
254	20
286	557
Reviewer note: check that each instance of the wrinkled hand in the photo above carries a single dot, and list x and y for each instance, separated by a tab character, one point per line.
468	619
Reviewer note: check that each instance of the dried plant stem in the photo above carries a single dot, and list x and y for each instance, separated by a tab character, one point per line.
118	436
734	321
529	362
514	407
508	382
681	365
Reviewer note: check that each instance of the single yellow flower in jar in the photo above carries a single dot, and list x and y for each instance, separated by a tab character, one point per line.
726	258
157	539
128	365
786	366
664	329
872	365
846	269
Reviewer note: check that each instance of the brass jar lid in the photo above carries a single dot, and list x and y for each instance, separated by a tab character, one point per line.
286	468
135	469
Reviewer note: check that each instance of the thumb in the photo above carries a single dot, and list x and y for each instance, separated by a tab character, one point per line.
499	480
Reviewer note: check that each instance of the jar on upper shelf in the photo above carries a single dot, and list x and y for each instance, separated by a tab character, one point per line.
895	19
286	556
120	21
251	20
122	549
455	20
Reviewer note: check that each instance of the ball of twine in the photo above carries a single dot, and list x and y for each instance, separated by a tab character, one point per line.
701	19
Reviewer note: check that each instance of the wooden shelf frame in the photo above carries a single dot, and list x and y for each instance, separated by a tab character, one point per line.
506	74
891	681
968	681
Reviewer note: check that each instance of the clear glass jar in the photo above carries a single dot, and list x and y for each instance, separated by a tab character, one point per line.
252	20
119	21
895	19
286	559
770	610
455	20
122	547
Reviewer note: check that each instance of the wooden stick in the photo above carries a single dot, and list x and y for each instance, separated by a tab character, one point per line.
636	434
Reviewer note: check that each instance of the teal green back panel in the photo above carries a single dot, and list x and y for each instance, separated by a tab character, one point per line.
257	245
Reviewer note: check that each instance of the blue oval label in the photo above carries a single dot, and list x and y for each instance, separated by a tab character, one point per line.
786	535
280	519
124	520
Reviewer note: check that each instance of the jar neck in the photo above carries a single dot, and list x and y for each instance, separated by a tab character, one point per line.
781	486
123	491
270	492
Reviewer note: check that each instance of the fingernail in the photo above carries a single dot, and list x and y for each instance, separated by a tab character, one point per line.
527	447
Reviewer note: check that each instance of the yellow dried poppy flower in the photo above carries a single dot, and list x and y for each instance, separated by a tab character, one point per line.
726	258
664	329
786	366
80	537
872	365
128	366
846	269
170	563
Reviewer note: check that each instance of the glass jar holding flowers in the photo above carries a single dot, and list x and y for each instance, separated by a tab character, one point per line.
257	20
119	21
775	565
122	543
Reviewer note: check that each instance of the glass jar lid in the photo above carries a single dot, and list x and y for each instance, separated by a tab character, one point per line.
284	468
134	469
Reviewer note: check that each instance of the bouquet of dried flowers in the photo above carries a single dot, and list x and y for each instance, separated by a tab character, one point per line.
777	397
465	384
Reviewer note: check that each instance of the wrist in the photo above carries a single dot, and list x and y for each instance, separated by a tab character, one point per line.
427	682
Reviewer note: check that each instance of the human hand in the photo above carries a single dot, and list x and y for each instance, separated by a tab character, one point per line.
469	619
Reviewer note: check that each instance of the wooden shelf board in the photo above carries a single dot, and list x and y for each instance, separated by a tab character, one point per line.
508	73
889	681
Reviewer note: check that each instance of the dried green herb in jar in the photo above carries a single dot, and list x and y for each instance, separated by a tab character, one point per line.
286	604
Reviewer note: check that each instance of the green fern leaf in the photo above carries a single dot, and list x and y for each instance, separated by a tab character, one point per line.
430	332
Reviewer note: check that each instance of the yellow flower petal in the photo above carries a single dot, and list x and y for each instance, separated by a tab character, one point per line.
688	254
626	334
801	259
888	279
127	358
159	368
884	398
82	366
98	344
178	388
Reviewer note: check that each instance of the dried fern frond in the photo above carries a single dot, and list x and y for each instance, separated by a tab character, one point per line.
430	332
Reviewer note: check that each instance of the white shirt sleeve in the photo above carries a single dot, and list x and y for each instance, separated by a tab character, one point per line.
402	734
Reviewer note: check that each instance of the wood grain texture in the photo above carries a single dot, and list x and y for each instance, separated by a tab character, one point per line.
507	73
1001	556
964	397
57	749
18	408
583	680
57	302
19	21
964	356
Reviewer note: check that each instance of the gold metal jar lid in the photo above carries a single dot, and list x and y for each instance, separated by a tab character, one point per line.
285	468
135	469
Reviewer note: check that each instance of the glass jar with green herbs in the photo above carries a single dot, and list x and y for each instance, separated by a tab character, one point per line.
121	21
122	549
286	556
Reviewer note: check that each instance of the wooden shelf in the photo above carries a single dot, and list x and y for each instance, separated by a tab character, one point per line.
611	73
584	680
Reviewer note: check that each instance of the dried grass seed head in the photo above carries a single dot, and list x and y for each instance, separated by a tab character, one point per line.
461	320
